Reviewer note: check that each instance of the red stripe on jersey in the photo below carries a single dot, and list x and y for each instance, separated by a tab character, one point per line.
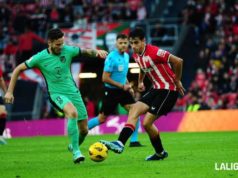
0	72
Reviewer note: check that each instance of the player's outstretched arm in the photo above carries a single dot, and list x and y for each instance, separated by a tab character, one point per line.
94	53
9	98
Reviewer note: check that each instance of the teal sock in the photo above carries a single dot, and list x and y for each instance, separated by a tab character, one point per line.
134	136
73	134
93	123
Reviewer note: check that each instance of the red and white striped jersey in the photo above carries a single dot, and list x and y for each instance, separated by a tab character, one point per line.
155	63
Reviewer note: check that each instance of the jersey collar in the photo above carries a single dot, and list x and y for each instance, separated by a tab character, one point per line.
143	52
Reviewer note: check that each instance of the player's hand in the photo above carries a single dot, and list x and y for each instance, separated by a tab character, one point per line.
101	53
9	98
180	87
132	92
126	87
141	87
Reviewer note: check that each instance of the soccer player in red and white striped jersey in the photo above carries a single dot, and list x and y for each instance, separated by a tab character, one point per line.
165	71
154	62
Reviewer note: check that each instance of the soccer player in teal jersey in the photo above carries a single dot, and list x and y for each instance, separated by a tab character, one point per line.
54	63
117	88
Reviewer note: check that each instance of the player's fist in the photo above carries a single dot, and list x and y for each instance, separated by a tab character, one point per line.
141	87
180	87
9	98
126	87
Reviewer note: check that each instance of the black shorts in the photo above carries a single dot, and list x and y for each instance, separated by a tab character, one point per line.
160	101
113	97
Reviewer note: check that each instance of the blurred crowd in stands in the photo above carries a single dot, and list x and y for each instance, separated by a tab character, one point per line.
24	22
215	85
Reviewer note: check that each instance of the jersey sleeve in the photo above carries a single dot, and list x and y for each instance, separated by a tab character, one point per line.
161	55
74	51
108	64
33	61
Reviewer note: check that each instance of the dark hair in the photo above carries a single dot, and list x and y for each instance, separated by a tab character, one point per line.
122	36
137	32
54	34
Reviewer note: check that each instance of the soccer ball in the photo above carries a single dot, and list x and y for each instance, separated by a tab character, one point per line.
98	152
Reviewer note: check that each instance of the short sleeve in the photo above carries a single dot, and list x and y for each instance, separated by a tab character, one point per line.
33	61
162	55
74	51
108	64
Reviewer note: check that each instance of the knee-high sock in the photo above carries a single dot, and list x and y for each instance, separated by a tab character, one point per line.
157	143
2	124
93	123
73	134
126	133
134	136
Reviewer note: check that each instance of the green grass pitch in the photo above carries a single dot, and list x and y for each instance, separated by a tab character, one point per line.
190	155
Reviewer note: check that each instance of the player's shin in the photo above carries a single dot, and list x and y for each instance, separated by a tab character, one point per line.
134	136
73	134
126	133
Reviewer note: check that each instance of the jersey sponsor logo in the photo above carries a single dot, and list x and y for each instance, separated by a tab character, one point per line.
161	53
147	69
58	71
62	59
59	99
120	68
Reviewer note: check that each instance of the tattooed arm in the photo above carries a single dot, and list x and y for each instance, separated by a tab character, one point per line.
94	53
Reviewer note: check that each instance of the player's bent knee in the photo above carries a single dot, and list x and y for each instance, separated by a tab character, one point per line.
146	126
72	114
84	132
102	120
3	115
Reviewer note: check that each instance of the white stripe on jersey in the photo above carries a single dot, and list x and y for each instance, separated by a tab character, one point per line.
158	74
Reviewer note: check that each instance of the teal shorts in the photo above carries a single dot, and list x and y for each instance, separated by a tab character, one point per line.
60	100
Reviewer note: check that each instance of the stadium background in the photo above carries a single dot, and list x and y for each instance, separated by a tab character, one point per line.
201	132
202	32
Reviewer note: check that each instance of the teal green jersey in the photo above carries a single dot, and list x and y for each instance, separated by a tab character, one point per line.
56	69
